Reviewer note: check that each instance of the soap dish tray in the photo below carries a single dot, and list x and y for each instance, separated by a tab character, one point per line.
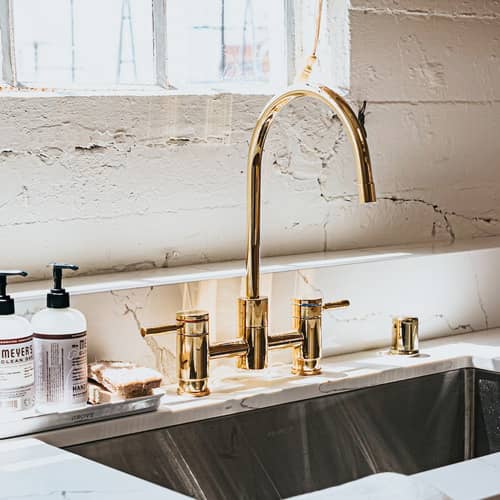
13	425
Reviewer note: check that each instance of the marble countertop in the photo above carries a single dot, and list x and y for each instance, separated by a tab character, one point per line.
32	469
474	479
55	473
236	391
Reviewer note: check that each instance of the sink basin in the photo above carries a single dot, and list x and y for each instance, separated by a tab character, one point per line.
277	452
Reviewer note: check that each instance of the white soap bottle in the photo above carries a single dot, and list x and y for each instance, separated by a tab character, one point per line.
16	354
60	350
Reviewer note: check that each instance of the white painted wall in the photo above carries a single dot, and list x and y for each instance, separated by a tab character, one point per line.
126	182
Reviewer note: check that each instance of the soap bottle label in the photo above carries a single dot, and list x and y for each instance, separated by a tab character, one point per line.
16	374
61	369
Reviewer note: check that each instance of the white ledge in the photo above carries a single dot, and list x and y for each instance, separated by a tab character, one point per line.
82	285
145	91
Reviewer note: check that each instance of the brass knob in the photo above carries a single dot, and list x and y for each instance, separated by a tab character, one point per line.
192	351
190	317
404	336
158	330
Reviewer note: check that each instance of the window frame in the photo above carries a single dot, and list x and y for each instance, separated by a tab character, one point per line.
8	72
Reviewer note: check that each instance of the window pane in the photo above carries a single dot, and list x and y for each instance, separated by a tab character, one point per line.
217	41
3	38
84	42
1	58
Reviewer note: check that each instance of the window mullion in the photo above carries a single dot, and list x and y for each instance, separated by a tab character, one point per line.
7	34
160	41
290	40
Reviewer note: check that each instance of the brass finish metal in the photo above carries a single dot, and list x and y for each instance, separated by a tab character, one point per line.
253	343
228	349
254	340
252	328
307	318
158	330
194	350
253	313
253	309
355	131
191	316
404	336
292	339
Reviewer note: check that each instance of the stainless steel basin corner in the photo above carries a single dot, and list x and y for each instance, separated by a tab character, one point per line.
278	452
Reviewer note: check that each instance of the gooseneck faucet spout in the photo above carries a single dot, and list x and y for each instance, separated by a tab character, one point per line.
355	131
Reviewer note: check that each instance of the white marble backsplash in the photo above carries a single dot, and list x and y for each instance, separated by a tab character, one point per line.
450	290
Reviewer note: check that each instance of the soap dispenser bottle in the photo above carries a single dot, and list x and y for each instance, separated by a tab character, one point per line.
60	350
16	354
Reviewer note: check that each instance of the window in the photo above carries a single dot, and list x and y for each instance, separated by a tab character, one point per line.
182	44
7	66
83	42
225	41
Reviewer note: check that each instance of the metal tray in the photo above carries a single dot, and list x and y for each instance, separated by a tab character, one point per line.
13	425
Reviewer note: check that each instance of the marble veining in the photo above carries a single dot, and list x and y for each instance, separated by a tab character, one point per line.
462	298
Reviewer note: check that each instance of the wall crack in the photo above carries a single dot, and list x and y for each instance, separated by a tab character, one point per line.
445	214
481	304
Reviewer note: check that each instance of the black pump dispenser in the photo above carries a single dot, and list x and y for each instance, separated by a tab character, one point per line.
58	298
7	302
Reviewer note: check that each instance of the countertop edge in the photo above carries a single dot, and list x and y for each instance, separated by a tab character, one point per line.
341	373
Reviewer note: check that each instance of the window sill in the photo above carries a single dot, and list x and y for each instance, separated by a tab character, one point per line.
135	91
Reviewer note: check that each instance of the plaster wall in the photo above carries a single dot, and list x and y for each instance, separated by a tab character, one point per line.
135	182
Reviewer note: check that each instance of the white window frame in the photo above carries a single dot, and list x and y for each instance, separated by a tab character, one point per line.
8	74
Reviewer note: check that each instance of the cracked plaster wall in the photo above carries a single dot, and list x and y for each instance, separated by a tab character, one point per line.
121	183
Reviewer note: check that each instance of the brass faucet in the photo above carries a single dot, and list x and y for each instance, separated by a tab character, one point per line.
253	309
254	341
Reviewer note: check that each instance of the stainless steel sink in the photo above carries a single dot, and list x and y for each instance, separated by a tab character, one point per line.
407	427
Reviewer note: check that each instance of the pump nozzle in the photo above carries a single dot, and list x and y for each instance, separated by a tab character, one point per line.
58	298
6	302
